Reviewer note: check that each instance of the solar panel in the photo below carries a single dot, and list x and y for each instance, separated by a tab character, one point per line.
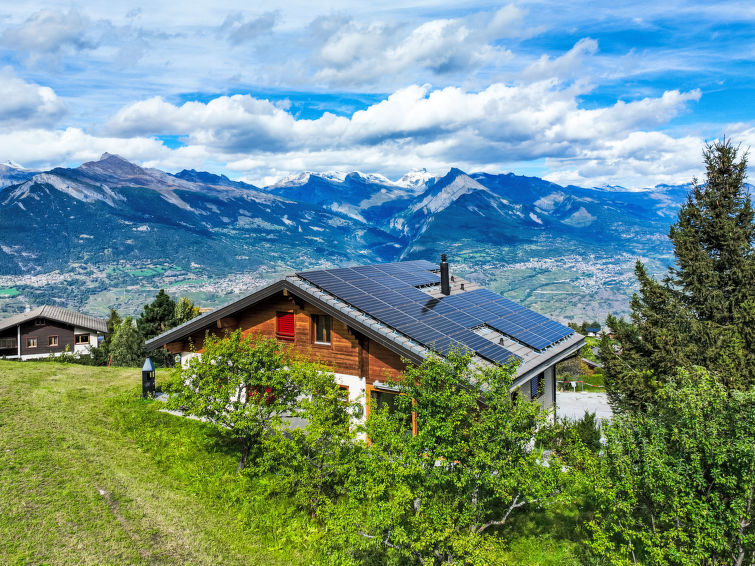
389	293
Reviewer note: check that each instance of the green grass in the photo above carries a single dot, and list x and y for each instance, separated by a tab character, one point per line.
92	474
10	292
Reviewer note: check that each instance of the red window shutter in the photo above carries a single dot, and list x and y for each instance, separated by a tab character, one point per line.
285	321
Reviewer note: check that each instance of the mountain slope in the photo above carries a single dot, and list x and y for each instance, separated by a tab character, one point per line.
111	211
110	231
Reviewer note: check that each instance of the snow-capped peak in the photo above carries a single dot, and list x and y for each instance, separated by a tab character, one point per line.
14	165
416	178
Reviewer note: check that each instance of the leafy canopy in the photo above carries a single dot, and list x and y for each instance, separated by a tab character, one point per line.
433	496
244	384
127	344
676	484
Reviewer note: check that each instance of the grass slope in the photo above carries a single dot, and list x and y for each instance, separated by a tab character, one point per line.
91	474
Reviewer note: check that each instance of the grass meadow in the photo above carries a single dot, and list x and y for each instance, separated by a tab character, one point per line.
90	473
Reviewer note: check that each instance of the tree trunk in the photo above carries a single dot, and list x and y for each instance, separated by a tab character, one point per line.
244	456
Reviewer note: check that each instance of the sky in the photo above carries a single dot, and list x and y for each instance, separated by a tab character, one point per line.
584	93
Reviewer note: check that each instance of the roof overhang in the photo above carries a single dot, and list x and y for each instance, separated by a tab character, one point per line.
361	322
203	322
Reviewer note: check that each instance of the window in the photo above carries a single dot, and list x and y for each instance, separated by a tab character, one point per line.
380	398
343	392
284	328
39	322
321	323
537	384
52	340
81	339
31	342
7	343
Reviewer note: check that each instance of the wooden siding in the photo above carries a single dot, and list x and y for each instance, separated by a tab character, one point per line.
348	351
9	333
30	329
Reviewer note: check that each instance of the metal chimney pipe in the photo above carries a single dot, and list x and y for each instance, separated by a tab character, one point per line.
445	286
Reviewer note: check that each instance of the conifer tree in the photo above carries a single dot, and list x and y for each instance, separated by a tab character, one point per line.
703	312
158	316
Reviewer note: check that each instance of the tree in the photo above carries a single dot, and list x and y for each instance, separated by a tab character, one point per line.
433	497
184	311
703	312
127	344
312	456
244	385
114	320
157	316
677	483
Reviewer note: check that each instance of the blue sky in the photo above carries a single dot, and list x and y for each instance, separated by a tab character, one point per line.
579	92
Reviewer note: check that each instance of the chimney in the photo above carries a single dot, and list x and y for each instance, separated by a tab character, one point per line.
445	286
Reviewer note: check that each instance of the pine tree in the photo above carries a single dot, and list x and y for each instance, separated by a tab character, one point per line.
703	312
158	316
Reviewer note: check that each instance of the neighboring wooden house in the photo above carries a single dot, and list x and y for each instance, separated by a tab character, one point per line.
49	330
364	322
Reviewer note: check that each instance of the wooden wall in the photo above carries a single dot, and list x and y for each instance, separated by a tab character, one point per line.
348	352
9	333
64	332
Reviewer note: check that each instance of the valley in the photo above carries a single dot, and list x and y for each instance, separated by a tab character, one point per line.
110	233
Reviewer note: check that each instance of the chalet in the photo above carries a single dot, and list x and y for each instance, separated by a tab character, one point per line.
365	322
48	330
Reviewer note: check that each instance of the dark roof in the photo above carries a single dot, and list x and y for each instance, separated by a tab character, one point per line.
391	304
396	294
57	314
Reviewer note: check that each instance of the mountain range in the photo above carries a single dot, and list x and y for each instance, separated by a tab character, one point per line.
110	232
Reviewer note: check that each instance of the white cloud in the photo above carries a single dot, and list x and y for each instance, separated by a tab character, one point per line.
419	126
352	52
641	159
24	104
40	148
529	120
50	32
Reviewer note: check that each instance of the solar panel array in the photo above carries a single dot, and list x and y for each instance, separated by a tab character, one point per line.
388	292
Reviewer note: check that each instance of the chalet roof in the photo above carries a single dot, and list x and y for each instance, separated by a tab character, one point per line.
365	298
59	315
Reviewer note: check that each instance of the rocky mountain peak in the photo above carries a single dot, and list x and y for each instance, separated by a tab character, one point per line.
110	164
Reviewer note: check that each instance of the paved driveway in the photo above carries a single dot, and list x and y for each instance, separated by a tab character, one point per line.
573	405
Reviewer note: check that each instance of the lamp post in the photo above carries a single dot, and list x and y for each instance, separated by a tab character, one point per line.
148	378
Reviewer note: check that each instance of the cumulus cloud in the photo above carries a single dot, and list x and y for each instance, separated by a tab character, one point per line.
48	32
640	159
527	121
421	126
46	148
24	104
237	29
351	52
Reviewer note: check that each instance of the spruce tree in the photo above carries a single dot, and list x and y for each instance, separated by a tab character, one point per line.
702	313
158	316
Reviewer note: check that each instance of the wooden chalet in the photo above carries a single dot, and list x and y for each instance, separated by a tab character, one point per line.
364	322
49	330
